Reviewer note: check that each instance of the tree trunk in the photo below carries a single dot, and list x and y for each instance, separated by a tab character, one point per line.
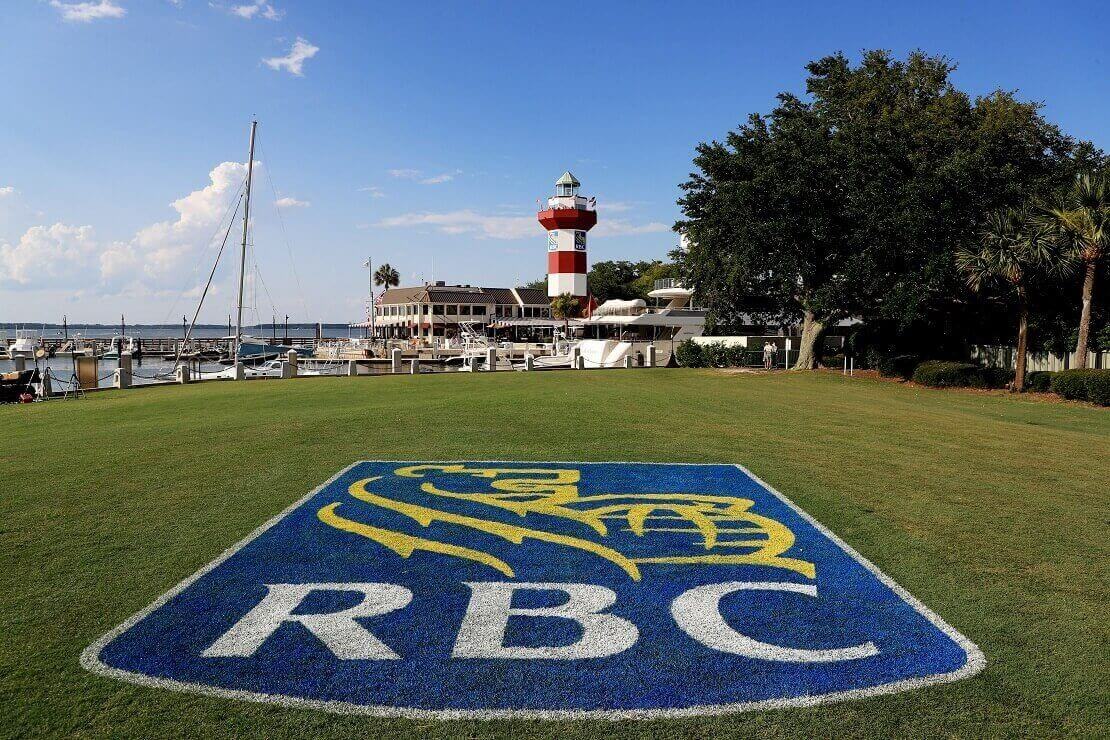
811	332
1023	331
1085	315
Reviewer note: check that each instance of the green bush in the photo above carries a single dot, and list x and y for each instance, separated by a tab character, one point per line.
941	374
714	354
690	354
1083	385
1039	381
997	377
898	366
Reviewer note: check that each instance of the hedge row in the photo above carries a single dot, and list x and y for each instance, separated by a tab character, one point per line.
940	374
716	354
897	366
1039	381
1082	385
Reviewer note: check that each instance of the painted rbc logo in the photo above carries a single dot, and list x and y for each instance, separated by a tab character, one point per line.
543	589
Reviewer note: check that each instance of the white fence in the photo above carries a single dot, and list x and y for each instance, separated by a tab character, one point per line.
999	356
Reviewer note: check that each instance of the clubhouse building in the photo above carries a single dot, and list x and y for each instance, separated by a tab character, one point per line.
436	309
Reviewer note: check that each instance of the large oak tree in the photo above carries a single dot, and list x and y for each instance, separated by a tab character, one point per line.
853	201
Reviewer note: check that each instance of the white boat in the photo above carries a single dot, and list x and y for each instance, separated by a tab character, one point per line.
27	343
120	344
618	329
636	324
475	351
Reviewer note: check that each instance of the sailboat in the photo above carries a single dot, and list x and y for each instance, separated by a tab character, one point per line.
243	348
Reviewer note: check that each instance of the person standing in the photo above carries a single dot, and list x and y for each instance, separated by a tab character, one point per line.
769	350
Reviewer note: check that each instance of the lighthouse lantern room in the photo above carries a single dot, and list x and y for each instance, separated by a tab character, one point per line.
567	218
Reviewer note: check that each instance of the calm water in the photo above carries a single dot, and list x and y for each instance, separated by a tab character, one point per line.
174	331
152	370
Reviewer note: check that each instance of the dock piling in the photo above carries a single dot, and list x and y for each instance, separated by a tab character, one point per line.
395	361
651	355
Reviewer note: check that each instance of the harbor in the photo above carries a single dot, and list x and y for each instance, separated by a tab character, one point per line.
429	328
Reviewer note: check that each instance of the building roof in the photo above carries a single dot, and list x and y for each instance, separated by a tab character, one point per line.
533	296
568	179
463	294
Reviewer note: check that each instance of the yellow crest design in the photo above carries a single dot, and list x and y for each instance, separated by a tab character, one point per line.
686	528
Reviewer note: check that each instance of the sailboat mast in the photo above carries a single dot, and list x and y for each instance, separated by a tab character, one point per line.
243	252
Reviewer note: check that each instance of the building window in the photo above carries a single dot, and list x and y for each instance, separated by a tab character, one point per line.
479	310
426	310
464	310
452	310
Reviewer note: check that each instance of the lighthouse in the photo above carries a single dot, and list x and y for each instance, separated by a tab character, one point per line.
567	218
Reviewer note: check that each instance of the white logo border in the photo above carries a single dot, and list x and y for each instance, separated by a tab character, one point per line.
976	661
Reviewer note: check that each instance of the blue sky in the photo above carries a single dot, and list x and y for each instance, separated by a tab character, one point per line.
417	133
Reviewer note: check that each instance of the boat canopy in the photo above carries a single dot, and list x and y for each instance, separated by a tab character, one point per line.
616	307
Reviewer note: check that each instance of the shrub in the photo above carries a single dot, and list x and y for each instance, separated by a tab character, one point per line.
997	377
1039	381
714	354
940	374
900	366
1083	385
690	354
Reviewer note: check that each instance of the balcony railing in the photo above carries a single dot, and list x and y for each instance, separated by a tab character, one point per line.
665	283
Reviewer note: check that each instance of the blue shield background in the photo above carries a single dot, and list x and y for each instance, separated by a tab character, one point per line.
665	671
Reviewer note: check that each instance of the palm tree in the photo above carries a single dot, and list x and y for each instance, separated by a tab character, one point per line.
565	307
1013	249
1080	222
387	276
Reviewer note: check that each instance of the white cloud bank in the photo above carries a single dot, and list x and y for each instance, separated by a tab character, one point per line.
293	62
63	256
6	191
88	12
507	227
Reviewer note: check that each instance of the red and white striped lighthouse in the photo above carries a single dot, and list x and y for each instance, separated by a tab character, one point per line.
567	219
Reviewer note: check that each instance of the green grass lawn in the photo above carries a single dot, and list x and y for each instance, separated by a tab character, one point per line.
992	510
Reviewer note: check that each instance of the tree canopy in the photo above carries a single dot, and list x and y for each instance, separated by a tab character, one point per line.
621	279
854	200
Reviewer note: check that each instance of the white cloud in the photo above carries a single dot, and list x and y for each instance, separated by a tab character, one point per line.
374	190
6	191
622	227
66	257
443	177
470	222
89	11
418	176
508	227
615	206
288	202
293	62
47	253
160	250
259	8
